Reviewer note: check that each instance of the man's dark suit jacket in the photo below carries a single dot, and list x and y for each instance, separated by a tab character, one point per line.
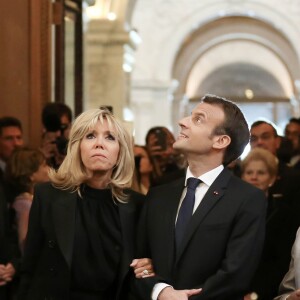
287	187
222	245
45	272
9	248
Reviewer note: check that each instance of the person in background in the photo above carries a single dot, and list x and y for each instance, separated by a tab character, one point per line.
143	169
57	120
168	163
286	185
259	168
11	138
289	288
82	223
25	168
9	251
205	231
292	133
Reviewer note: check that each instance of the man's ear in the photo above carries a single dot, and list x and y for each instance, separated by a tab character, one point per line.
278	141
221	141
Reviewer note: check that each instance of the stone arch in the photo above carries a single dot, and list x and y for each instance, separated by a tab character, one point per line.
227	30
166	29
224	81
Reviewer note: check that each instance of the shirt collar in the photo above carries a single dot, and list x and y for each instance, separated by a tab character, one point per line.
209	177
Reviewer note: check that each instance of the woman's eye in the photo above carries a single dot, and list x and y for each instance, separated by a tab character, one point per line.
111	137
90	136
261	173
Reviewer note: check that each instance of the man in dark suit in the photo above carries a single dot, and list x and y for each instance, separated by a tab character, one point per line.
223	239
9	250
10	139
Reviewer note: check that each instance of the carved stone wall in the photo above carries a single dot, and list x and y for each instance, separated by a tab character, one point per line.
166	27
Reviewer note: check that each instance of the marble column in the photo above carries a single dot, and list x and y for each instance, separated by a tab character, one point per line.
152	106
109	50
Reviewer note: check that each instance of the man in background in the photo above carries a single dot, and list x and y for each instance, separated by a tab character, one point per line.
56	119
11	137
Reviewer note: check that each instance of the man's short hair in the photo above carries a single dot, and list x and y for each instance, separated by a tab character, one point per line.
261	122
9	122
294	120
234	125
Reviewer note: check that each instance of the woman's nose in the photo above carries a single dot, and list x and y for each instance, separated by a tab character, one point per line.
99	142
254	176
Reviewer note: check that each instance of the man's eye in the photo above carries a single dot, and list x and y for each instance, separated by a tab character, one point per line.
198	119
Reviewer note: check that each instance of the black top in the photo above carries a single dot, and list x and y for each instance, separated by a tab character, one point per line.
97	246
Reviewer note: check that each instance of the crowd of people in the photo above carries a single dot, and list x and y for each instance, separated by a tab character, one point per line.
92	215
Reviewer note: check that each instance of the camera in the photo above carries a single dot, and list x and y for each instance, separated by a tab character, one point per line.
51	122
61	144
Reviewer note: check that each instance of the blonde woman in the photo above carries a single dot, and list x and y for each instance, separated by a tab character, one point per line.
81	232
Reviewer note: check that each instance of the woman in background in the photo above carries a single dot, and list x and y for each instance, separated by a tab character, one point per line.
168	164
143	169
25	168
260	169
82	224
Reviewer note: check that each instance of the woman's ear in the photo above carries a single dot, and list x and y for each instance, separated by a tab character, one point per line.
221	141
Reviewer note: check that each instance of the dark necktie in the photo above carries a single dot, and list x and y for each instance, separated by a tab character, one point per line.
186	209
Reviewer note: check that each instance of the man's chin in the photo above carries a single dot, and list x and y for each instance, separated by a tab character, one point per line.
178	145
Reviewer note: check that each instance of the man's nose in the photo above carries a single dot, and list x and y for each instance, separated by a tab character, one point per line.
18	142
184	122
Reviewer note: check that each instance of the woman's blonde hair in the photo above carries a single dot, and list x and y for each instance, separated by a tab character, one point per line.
72	172
259	154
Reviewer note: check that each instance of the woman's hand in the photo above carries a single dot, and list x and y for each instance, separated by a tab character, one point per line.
6	273
142	267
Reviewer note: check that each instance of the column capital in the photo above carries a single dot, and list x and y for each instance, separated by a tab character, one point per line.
110	33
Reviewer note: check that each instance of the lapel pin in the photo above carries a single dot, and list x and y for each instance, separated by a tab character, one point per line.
216	193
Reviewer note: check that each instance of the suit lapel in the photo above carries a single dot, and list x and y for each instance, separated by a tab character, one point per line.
63	209
212	196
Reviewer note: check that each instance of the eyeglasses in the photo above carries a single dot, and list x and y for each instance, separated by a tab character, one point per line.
265	136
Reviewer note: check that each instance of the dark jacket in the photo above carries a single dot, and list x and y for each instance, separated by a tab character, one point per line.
45	272
222	244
